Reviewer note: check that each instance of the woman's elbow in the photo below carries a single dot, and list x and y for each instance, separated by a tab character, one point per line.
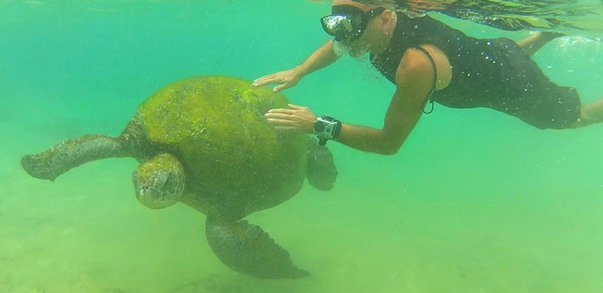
390	149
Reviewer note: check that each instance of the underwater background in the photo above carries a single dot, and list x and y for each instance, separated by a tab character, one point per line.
475	201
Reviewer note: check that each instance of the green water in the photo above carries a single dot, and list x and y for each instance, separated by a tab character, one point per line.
474	202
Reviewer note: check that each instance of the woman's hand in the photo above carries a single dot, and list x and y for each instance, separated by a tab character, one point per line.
294	118
284	79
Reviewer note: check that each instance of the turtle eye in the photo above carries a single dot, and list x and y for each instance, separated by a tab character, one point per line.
161	179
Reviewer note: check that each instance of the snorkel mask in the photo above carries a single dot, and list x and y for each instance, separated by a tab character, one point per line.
346	23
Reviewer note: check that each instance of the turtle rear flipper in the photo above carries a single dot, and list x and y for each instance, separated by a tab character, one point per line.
69	154
321	171
247	249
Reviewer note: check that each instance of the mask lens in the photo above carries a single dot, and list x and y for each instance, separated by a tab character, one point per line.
347	22
340	27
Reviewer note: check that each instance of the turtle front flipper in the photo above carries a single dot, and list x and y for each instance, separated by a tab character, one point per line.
159	182
321	172
69	154
247	249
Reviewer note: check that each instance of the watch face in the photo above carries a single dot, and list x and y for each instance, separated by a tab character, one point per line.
319	127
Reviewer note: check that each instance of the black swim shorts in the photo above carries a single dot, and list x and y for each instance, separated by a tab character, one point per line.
511	82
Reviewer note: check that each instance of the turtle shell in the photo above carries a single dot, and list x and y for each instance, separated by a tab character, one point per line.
216	127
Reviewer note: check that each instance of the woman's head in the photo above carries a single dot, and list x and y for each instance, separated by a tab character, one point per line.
359	27
346	23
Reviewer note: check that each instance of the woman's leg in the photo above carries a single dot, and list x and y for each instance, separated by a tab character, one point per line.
591	113
536	41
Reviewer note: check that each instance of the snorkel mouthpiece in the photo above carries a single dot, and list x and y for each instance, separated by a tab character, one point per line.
340	49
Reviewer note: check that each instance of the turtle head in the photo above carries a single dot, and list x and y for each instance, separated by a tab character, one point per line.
159	183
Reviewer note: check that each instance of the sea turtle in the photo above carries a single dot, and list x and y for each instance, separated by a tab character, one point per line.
204	142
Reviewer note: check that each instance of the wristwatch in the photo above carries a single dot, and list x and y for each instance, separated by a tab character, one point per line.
326	128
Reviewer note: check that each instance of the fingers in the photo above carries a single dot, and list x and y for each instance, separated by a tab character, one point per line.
289	119
264	80
280	111
283	80
285	128
282	122
281	87
272	79
291	109
285	124
279	115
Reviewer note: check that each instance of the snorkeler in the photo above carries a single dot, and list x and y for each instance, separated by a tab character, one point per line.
428	62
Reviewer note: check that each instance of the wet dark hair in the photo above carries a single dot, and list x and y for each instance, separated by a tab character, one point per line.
389	4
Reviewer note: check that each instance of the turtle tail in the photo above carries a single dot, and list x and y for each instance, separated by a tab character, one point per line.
71	153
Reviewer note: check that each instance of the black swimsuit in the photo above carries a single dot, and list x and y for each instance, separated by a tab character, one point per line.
492	73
